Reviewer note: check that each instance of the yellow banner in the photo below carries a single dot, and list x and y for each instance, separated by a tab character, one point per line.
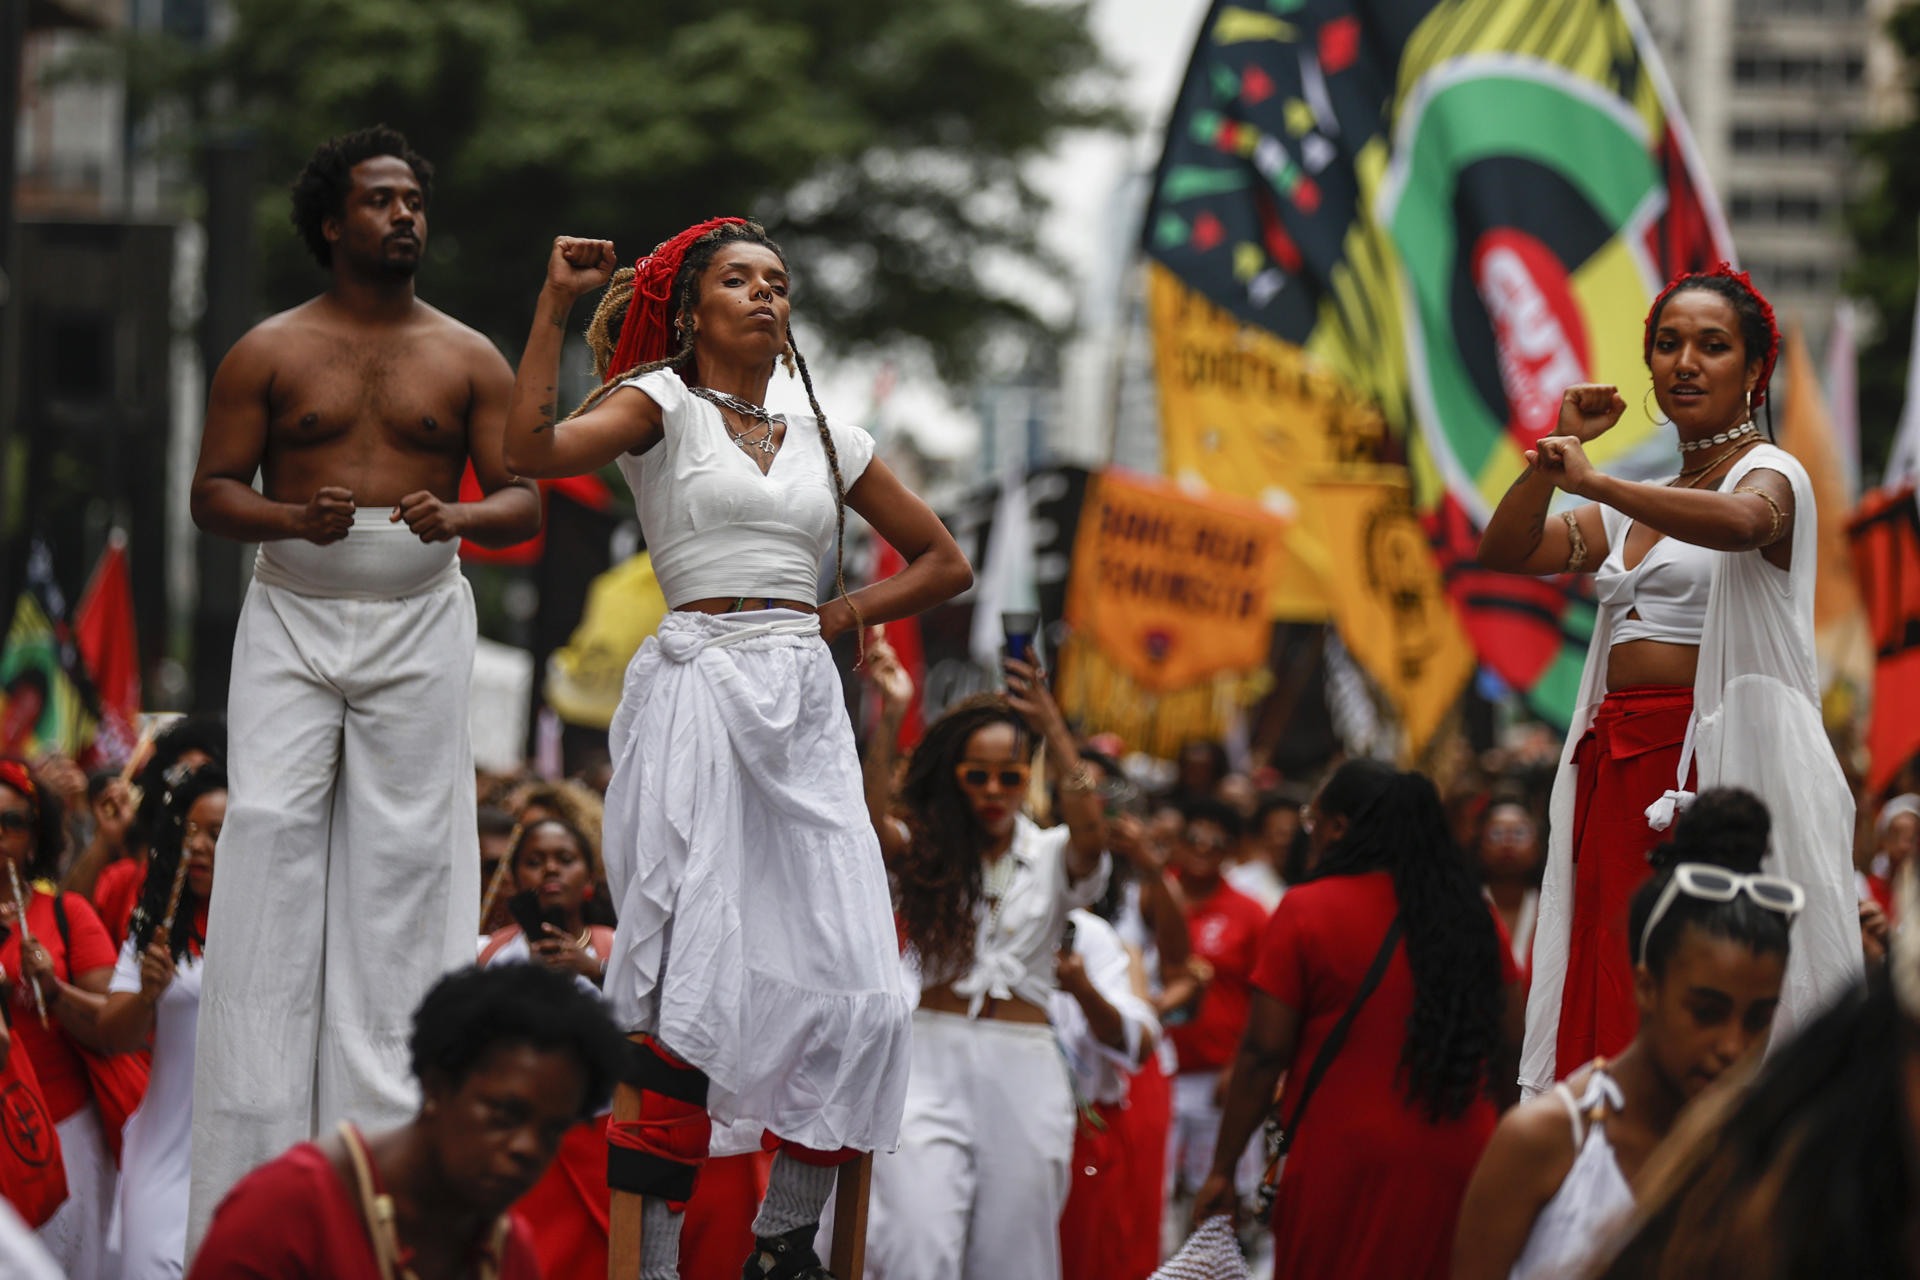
624	607
1389	603
1172	588
1245	414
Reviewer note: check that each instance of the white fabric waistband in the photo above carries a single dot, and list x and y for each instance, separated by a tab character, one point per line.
686	634
380	559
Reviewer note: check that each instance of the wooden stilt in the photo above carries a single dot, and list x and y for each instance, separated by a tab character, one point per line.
849	1250
623	1210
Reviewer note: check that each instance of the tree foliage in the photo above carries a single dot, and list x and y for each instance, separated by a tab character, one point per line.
1886	232
887	146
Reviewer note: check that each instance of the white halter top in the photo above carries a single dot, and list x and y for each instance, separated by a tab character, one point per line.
1664	597
1592	1200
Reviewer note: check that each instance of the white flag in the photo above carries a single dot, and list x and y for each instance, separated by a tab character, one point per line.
1842	379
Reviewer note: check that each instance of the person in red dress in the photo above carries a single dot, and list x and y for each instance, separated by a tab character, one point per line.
60	959
508	1059
1372	1186
1225	927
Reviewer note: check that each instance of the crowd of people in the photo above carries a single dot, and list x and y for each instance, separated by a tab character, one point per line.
298	993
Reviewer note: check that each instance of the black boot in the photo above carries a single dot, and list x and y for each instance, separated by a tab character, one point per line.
786	1257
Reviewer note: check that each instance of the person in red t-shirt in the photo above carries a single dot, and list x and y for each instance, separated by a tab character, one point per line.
1225	926
1381	1157
69	969
509	1059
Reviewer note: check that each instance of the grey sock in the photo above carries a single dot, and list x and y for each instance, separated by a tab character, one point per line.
659	1240
796	1193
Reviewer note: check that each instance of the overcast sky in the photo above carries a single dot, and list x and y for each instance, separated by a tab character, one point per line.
1149	42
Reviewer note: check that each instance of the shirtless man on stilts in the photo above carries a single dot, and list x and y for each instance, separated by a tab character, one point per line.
349	863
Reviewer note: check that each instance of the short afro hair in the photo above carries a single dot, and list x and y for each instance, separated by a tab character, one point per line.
473	1011
320	191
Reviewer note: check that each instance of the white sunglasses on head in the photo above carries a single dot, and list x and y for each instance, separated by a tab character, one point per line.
1709	883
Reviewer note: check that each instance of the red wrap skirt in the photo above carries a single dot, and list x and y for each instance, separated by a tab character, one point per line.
1627	759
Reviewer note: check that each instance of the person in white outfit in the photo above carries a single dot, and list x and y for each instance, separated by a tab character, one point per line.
350	880
756	949
976	1187
155	993
1710	943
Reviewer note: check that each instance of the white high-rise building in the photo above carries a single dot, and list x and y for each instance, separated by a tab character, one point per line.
1775	92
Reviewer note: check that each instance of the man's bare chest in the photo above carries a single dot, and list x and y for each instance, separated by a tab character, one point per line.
368	394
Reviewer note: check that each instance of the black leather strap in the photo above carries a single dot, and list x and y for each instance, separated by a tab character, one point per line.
1330	1047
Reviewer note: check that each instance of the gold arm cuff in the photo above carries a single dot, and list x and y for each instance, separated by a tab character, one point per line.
1779	516
1577	554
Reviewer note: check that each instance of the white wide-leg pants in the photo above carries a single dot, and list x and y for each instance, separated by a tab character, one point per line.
976	1189
349	864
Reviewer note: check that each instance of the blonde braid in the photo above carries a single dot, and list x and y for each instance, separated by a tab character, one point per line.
839	503
600	392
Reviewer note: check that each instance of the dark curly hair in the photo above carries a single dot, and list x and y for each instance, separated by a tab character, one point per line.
473	1011
49	825
205	732
320	191
1726	827
163	863
937	881
1396	824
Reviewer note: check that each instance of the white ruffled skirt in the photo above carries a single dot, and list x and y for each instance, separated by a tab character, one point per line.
756	936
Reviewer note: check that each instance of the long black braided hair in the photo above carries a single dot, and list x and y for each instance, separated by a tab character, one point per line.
163	862
1396	823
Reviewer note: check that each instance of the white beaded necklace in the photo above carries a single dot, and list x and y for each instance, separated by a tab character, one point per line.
1744	429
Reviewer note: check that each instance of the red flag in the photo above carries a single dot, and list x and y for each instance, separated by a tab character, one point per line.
1886	553
904	636
589	491
109	647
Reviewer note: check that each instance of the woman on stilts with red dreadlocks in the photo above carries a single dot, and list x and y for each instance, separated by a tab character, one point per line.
1701	671
756	947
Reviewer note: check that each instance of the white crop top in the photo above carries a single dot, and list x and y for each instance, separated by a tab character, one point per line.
1667	590
1573	1231
714	525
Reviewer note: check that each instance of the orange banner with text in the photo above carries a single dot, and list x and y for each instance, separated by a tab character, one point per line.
1169	587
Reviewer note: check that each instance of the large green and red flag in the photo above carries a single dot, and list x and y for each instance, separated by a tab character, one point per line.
1454	210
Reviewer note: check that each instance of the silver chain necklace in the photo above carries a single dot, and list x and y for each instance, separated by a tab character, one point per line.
763	443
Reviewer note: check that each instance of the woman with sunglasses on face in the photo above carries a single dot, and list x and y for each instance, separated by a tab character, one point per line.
977	1185
155	995
1710	942
1701	671
65	972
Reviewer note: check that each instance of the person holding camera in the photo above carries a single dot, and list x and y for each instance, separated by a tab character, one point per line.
553	870
983	894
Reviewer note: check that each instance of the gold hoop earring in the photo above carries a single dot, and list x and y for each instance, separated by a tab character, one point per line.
1658	422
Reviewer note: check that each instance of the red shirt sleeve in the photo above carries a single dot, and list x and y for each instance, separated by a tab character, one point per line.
1279	965
117	893
89	946
270	1225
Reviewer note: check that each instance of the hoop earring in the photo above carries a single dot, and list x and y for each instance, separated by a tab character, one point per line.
1658	422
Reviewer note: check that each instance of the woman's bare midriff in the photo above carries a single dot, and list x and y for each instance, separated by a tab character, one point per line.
1643	662
944	999
732	604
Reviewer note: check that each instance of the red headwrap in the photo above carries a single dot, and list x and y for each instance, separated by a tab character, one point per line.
646	332
1725	270
15	775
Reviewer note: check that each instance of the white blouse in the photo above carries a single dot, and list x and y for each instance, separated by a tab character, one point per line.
715	526
1100	1070
1015	943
